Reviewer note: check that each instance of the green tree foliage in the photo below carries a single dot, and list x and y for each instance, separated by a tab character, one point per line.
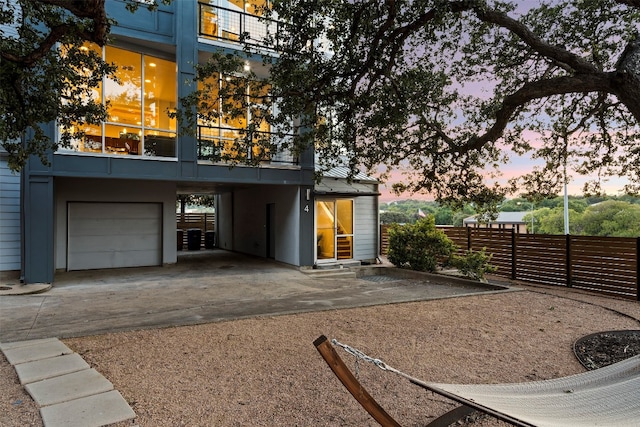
182	200
474	264
396	83
410	209
395	217
45	75
420	246
551	221
612	218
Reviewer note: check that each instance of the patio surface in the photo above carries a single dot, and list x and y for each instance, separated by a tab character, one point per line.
203	287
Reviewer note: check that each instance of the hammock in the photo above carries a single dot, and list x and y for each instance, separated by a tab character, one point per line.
608	396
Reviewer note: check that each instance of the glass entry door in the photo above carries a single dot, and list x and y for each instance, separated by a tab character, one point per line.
334	229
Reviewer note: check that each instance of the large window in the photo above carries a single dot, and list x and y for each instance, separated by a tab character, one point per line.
232	123
138	103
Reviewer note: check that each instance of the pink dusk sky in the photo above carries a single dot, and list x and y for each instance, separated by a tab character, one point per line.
518	165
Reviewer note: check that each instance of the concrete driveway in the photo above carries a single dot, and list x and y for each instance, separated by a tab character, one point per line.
203	287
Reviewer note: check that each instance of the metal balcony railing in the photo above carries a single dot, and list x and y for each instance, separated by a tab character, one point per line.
220	23
220	144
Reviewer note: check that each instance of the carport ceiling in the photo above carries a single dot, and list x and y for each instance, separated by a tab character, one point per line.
206	188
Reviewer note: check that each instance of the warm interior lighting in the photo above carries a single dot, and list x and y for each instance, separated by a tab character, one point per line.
152	64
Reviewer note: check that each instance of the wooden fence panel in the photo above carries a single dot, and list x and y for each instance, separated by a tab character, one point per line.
203	221
541	258
459	236
384	239
498	243
607	265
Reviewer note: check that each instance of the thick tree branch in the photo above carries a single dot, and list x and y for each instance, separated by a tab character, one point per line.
601	82
633	3
627	79
83	9
555	53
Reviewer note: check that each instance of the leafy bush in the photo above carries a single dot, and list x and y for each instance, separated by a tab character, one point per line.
420	246
474	264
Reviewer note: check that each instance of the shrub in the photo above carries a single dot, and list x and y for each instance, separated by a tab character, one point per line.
420	246
474	264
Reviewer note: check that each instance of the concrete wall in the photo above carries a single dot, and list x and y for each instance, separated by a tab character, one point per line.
224	221
102	190
242	221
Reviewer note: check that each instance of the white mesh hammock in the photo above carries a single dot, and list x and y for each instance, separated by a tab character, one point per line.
609	396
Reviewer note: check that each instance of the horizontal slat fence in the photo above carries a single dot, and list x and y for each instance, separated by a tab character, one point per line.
608	265
496	242
459	236
541	258
203	221
384	238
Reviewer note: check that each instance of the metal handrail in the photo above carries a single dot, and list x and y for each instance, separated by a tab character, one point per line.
211	144
237	27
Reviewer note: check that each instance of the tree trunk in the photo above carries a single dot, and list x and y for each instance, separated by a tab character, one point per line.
626	81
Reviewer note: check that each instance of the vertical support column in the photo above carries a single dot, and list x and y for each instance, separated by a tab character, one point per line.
568	249
513	255
38	209
307	225
468	238
186	58
638	268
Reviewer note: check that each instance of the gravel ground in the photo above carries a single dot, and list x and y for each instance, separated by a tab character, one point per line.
266	372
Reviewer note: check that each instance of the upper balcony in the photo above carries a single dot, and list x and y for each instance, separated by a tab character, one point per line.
235	25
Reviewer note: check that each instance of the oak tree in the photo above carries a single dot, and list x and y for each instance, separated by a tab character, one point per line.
446	90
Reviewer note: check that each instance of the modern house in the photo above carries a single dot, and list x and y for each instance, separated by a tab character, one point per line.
109	200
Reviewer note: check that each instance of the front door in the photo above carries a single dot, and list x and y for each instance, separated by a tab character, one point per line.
334	229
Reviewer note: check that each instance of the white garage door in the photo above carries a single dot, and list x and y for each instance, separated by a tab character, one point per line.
111	235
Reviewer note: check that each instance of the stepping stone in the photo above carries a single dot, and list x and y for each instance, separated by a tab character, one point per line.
15	344
38	370
36	351
93	411
68	387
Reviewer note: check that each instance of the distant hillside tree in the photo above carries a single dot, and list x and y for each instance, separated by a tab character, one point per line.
612	218
395	218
